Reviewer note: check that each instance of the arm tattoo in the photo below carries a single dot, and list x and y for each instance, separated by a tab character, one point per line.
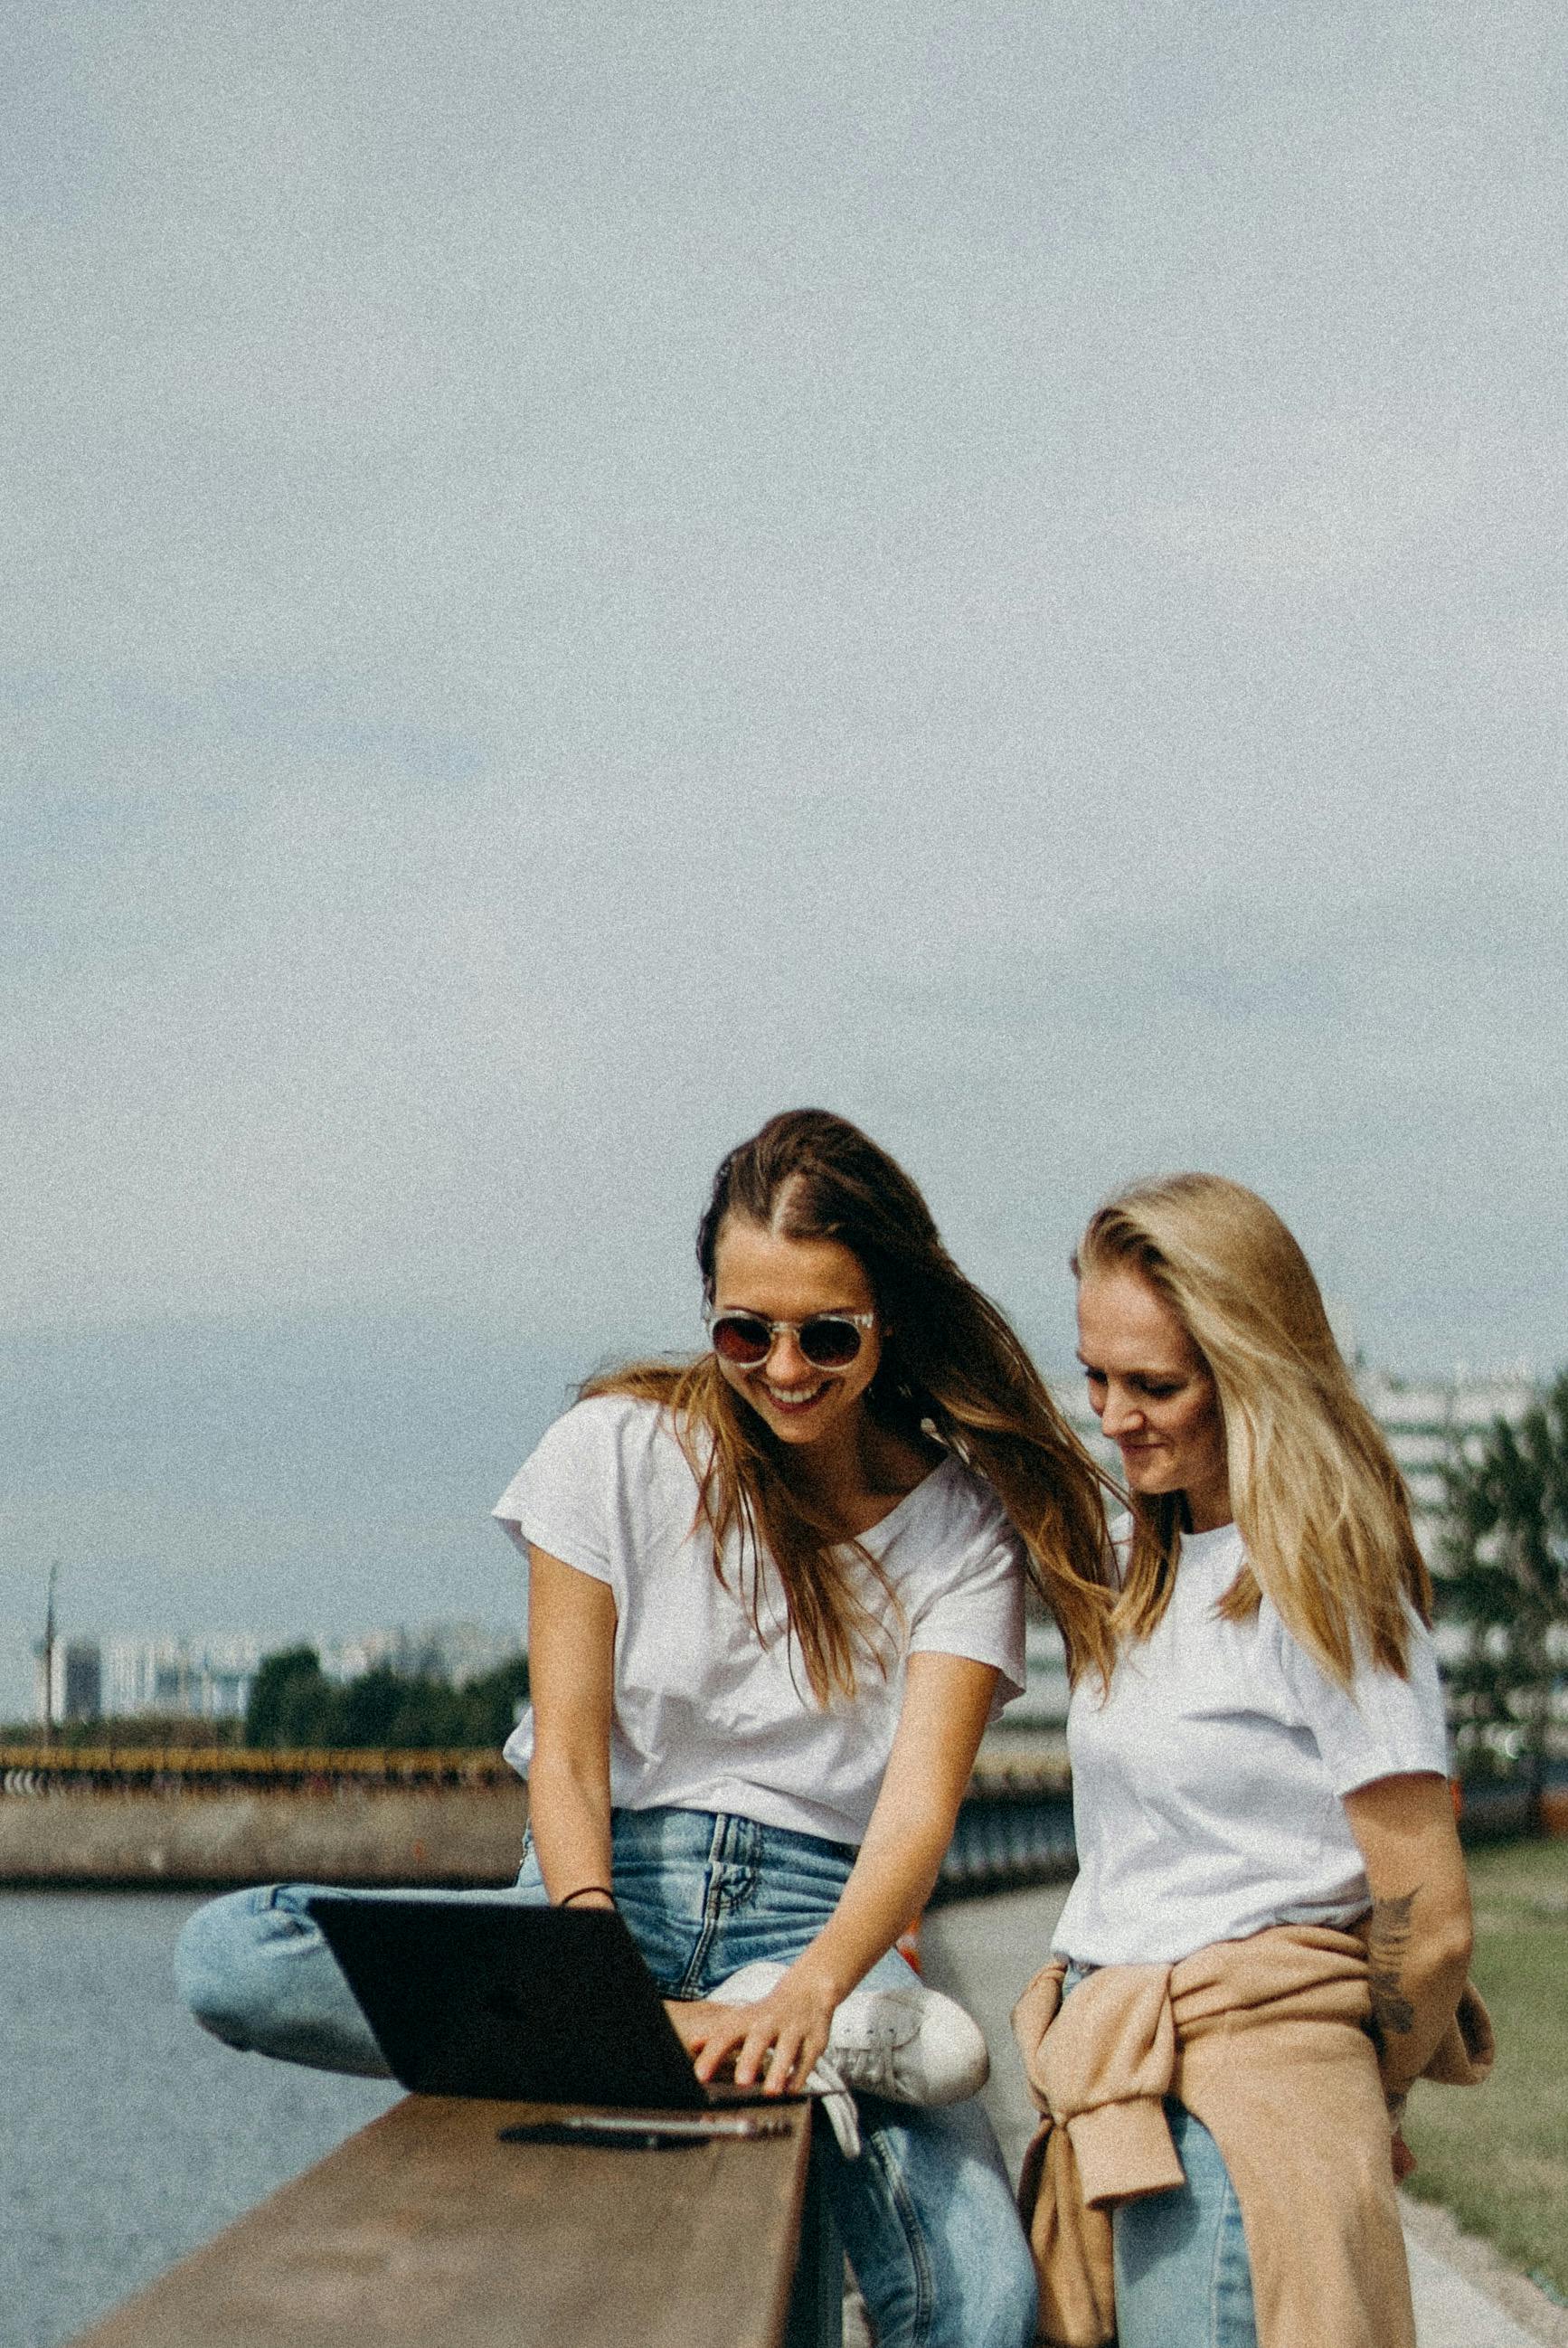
1388	1942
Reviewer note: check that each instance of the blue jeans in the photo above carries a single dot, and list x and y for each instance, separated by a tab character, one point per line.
927	2214
1183	2279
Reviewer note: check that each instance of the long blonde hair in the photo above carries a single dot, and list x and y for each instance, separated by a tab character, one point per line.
951	1370
1317	1500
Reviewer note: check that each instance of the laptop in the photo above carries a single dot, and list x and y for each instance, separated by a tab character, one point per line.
547	2005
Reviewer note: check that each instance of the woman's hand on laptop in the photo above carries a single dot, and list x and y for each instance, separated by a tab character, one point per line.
771	2044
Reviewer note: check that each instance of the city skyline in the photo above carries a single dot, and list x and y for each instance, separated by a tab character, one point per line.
195	1674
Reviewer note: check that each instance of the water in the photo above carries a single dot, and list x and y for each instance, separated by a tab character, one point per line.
127	2136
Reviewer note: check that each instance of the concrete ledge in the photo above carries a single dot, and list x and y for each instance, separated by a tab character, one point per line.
352	1833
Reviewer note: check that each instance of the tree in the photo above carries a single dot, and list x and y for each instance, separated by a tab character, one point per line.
309	1714
493	1702
409	1712
371	1705
1505	1550
281	1680
293	1705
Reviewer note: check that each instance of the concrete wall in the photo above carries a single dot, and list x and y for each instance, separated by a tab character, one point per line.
353	1835
458	1835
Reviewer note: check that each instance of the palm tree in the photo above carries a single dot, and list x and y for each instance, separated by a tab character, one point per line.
1504	1549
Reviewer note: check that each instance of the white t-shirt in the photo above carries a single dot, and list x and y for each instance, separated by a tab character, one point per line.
1206	1784
708	1717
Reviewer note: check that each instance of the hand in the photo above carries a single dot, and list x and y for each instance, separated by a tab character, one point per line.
774	2044
1404	2158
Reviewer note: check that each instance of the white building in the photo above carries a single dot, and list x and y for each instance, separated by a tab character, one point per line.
210	1677
454	1651
74	1681
1426	1420
194	1678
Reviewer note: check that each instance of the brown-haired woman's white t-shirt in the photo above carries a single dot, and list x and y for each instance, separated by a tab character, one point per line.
709	1715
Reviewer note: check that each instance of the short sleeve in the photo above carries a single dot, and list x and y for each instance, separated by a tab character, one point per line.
1382	1725
978	1612
562	1497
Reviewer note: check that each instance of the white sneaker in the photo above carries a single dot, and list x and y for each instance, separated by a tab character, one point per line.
911	2044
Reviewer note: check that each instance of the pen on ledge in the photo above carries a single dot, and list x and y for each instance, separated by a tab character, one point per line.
667	2128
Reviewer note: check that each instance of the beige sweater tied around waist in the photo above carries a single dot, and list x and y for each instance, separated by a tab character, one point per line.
1266	2042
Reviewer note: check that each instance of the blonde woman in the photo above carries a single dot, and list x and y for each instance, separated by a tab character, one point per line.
1269	1932
775	1594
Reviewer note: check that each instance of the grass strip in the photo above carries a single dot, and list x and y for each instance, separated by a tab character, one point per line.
1497	2157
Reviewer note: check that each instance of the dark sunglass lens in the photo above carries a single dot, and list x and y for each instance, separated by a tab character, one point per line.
830	1343
740	1337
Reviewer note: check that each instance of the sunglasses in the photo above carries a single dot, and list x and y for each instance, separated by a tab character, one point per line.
829	1340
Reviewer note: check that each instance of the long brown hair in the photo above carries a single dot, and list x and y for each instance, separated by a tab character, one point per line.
1317	1498
952	1373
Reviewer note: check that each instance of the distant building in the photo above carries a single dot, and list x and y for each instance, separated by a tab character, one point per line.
194	1678
454	1651
1426	1420
77	1681
124	1677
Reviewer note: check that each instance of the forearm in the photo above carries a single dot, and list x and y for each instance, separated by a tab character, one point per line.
946	1700
1418	1955
568	1819
1419	1931
889	1884
571	1632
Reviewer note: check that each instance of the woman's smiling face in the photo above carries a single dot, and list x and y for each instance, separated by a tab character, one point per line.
1153	1393
779	1279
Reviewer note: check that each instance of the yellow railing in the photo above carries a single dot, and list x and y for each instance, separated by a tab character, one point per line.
172	1768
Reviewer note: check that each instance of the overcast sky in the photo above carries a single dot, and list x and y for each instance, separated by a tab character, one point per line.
577	574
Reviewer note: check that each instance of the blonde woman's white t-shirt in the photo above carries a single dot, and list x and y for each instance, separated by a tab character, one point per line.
708	1715
1207	1783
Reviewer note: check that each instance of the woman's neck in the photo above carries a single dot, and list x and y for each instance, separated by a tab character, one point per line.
851	1475
1206	1511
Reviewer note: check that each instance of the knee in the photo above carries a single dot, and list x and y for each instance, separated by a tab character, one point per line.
992	2276
220	1967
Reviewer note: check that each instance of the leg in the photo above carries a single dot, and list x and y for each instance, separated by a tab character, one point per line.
931	2229
255	1970
927	2214
1182	2276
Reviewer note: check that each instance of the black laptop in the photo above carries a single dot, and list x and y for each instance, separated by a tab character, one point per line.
547	2005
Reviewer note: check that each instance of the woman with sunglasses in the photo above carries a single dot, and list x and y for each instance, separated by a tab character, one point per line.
775	1594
